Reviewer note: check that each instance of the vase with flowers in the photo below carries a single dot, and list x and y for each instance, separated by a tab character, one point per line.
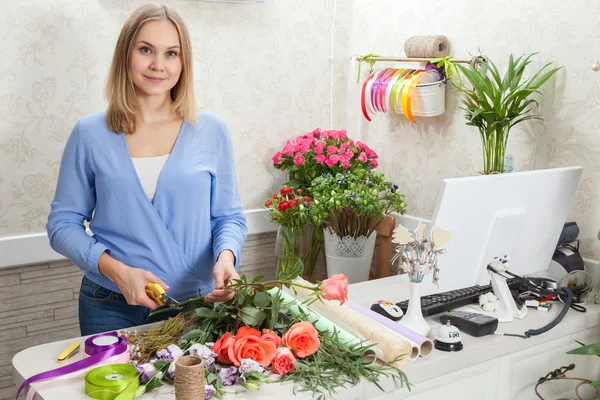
289	209
350	205
316	153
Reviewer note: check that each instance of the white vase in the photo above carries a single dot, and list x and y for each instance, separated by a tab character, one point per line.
349	256
413	319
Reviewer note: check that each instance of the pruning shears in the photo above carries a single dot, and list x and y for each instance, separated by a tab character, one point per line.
157	293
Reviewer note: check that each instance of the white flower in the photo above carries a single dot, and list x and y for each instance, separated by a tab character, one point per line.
171	370
202	350
171	353
146	371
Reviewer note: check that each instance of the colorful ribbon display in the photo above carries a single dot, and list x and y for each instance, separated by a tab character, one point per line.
99	348
112	382
391	90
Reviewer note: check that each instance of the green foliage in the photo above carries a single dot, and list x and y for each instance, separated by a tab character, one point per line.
353	204
587	350
494	103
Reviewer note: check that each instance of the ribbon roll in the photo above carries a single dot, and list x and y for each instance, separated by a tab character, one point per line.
111	382
99	348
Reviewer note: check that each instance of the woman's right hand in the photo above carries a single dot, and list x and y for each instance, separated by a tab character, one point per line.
131	281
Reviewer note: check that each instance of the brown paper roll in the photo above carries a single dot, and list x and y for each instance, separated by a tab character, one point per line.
427	46
189	378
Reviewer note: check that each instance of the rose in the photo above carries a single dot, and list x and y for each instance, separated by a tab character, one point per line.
303	338
284	361
335	288
248	345
270	336
298	160
222	347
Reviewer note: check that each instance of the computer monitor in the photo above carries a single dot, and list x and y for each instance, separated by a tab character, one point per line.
516	215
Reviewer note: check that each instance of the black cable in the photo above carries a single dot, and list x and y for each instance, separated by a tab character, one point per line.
559	317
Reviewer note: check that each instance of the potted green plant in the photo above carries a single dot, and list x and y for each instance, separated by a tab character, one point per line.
350	205
495	103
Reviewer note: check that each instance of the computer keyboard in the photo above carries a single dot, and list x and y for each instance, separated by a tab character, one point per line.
441	302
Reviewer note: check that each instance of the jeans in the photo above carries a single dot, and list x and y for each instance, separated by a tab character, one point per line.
102	310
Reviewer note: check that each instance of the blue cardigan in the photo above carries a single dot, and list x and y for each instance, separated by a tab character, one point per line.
196	212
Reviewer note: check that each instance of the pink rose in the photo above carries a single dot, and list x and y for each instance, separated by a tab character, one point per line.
349	155
329	163
332	149
320	158
362	157
316	132
284	361
345	164
334	158
288	149
374	163
298	160
270	336
277	158
342	134
333	134
335	288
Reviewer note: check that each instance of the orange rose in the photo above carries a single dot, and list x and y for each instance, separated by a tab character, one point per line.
250	346
270	336
335	288
222	346
284	361
303	338
247	331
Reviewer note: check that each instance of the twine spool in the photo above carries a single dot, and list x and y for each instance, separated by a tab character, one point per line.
189	378
427	46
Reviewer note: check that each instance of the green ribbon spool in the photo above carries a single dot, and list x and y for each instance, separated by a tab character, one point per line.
112	382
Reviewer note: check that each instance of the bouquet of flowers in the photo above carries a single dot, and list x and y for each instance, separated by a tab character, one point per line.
254	338
353	203
290	210
314	154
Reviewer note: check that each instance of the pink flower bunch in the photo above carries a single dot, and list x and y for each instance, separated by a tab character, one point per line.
319	151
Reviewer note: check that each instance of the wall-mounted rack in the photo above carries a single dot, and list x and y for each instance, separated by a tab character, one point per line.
408	59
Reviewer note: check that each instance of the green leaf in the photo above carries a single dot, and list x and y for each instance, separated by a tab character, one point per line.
241	298
296	270
261	299
596	383
257	278
590	349
206	313
160	364
193	334
252	316
294	183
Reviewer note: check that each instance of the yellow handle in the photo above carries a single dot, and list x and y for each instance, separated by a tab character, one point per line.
69	351
155	292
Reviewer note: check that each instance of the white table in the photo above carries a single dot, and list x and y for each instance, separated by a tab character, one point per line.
492	367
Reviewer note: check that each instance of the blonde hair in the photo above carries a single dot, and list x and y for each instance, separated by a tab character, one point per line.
120	91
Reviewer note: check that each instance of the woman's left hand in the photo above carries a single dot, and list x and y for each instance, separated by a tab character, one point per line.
224	272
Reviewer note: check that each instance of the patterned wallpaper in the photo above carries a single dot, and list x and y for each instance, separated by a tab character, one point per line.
266	69
419	156
263	67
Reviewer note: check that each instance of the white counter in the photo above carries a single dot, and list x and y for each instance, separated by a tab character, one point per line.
492	367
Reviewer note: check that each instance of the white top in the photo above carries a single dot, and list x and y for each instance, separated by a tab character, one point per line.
148	170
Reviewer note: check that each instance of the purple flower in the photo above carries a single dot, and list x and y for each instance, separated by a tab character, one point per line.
209	364
210	345
202	350
248	365
146	371
394	188
228	376
209	392
171	353
171	370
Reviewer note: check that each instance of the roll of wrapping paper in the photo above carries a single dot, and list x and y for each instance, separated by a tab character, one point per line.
427	46
323	324
112	382
424	344
391	344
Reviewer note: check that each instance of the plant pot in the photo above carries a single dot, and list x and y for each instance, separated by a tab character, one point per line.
413	319
289	248
349	256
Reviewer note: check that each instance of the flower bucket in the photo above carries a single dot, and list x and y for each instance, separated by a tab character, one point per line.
429	99
349	256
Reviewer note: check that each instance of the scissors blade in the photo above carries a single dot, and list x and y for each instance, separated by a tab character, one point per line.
171	302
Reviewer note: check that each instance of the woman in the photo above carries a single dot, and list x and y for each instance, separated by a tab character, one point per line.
158	179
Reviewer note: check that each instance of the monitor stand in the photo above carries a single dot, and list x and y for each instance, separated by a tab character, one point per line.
508	308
